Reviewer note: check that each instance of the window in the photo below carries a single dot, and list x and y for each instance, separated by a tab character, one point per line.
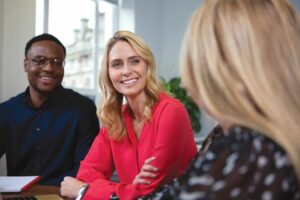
83	26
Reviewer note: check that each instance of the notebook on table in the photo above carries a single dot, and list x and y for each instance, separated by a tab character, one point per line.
17	183
12	185
35	197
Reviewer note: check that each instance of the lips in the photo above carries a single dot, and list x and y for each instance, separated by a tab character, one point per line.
47	79
129	81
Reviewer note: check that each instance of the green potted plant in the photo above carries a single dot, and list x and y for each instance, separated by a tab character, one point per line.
174	87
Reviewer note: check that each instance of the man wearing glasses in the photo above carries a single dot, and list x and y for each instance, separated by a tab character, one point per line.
48	129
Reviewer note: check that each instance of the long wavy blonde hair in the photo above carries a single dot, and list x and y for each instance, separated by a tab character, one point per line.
242	59
110	109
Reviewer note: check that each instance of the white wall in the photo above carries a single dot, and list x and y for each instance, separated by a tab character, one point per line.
148	17
18	26
176	15
1	42
162	24
17	23
2	161
297	4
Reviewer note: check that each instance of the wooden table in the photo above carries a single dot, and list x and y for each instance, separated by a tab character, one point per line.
35	190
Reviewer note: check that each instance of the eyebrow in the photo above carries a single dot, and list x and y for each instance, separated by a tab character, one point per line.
41	56
115	60
129	58
133	57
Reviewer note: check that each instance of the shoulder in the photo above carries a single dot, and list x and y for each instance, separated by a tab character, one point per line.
170	112
12	107
252	148
167	103
76	97
256	140
13	101
240	139
249	158
240	164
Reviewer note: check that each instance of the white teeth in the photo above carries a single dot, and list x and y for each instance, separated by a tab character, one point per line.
131	81
47	78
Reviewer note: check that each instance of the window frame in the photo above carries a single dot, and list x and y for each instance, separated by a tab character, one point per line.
42	26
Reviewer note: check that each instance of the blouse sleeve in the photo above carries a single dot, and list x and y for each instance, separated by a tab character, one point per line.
242	165
97	167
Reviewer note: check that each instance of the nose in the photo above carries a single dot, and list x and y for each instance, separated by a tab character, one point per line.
48	66
126	70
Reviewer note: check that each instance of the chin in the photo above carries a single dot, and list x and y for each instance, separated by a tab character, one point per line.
46	90
132	93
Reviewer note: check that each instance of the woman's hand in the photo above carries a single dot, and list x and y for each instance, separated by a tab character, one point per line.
147	171
70	187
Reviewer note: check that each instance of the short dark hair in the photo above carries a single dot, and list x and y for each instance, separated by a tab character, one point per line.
42	37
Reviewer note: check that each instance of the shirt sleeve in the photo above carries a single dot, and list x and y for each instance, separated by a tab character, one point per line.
2	124
88	128
174	148
1	142
97	168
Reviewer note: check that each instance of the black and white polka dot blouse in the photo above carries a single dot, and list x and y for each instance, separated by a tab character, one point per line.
242	164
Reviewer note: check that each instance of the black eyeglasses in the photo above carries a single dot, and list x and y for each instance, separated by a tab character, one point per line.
42	62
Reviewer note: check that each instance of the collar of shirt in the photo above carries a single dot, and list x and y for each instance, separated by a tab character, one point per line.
56	96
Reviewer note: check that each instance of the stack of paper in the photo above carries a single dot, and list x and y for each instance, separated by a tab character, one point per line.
17	183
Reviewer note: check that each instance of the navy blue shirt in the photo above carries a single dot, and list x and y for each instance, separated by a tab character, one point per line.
49	141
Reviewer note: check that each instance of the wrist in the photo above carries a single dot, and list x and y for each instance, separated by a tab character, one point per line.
82	191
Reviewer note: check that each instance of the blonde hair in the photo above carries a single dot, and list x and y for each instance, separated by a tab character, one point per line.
110	110
242	58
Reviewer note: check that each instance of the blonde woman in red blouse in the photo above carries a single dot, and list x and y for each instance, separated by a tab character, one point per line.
151	127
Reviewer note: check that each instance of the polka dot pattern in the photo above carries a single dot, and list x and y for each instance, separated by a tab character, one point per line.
241	164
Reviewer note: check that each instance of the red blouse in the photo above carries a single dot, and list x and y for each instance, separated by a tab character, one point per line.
168	137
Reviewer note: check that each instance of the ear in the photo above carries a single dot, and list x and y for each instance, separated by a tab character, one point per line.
25	64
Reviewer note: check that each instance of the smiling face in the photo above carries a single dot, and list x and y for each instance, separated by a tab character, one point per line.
127	70
43	79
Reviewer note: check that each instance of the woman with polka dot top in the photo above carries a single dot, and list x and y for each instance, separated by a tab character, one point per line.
240	62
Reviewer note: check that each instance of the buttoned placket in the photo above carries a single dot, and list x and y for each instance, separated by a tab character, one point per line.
37	146
38	129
